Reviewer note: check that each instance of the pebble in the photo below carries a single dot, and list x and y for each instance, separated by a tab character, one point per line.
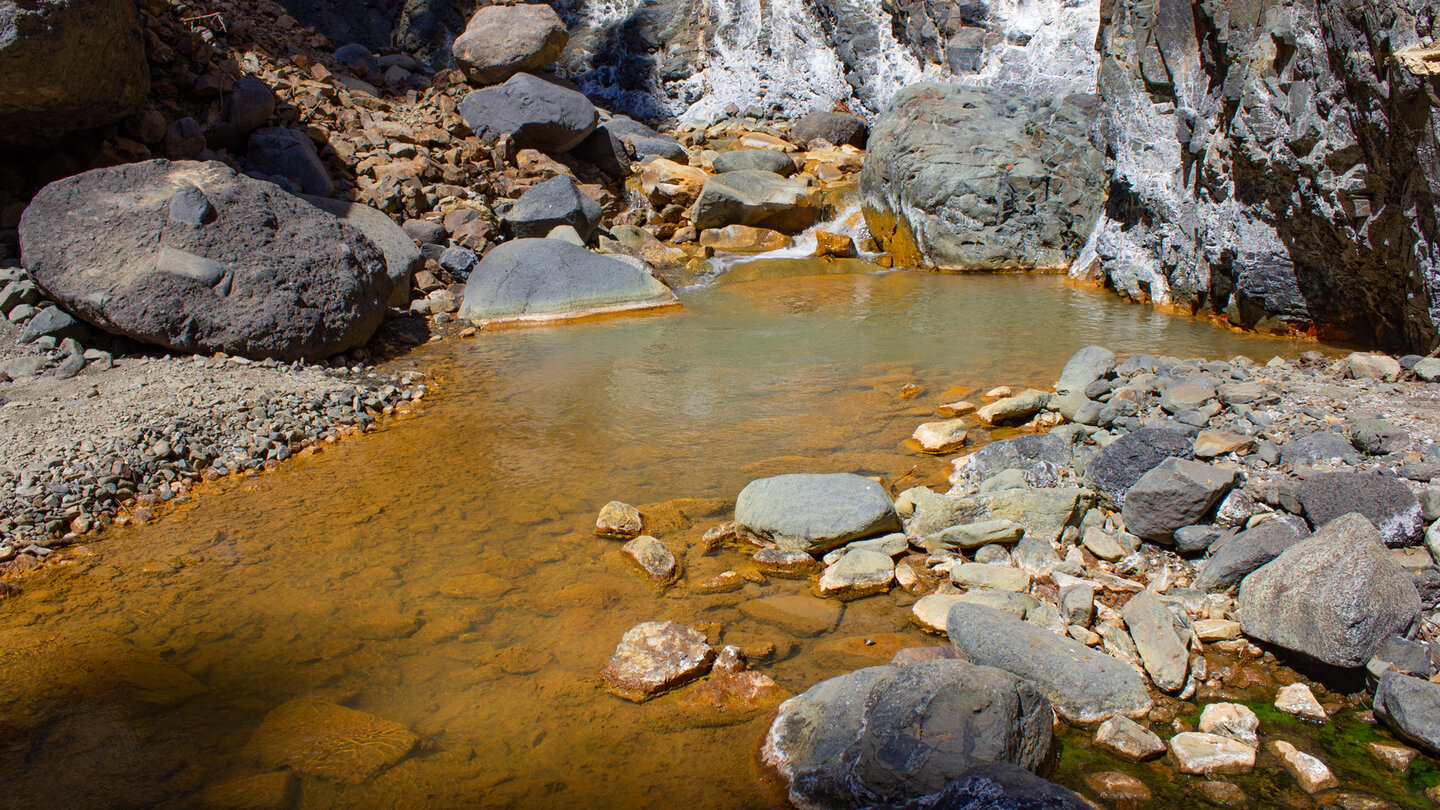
1395	757
1128	740
1297	699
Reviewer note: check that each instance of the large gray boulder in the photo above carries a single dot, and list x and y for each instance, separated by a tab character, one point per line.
973	178
555	202
1117	467
68	65
1233	558
622	141
890	734
1334	596
289	154
1175	494
195	258
533	112
529	280
500	41
1410	706
815	513
1386	501
1085	686
403	258
760	199
840	129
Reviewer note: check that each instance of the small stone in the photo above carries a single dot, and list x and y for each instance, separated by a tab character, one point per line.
1231	720
939	438
974	535
1297	699
1109	546
618	520
1128	740
954	409
1208	630
858	574
652	558
799	615
1121	788
723	582
980	575
1199	753
1212	443
1312	774
785	564
1223	793
1395	757
654	657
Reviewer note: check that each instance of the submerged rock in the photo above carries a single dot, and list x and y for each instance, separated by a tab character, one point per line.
319	739
655	657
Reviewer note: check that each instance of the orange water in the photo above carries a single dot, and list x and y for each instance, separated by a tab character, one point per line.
442	573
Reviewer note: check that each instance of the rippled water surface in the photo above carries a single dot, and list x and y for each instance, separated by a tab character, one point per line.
441	574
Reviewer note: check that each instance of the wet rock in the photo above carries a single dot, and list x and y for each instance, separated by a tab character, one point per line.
980	575
618	520
785	564
322	740
68	65
1199	753
1175	493
1353	596
1395	757
969	536
402	258
1411	707
652	558
757	198
834	246
729	697
232	284
890	734
1232	559
1123	462
798	615
1386	502
815	513
655	657
1223	794
744	239
1153	631
762	160
555	202
1297	699
500	41
858	574
1231	720
1128	740
1309	771
1011	410
534	113
1121	788
941	437
723	582
1085	686
533	280
268	791
839	129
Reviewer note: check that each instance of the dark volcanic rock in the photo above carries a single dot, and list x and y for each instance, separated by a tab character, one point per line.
969	178
289	154
1411	707
402	257
837	128
555	202
1334	596
997	786
1274	161
67	65
193	257
756	198
615	144
1233	558
890	734
1115	469
1386	501
535	113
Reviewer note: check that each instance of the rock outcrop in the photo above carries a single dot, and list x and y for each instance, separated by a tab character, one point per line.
976	179
1274	161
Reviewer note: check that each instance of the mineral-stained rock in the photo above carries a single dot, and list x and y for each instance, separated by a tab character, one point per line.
785	564
195	258
619	520
758	198
858	574
889	734
800	615
326	741
652	558
655	657
729	697
1232	720
942	437
1335	596
268	791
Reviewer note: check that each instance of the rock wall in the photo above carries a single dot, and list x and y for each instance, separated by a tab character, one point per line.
1275	161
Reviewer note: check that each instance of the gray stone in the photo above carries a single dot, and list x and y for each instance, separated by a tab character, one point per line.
1043	512
1117	467
615	144
815	513
1334	596
534	113
1085	686
1084	367
1231	560
528	280
555	202
1409	657
859	573
1386	501
248	106
289	154
68	65
1153	630
1318	447
764	160
1428	369
1038	457
974	535
425	232
500	41
1192	539
459	261
999	786
1186	395
1176	493
889	734
402	258
756	198
270	276
56	323
1410	706
839	129
1128	739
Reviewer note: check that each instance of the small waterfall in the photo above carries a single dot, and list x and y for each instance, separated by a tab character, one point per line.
848	222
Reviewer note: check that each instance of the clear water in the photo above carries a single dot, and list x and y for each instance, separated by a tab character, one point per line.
442	573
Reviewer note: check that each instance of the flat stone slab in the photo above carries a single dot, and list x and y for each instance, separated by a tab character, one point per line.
1196	752
327	741
859	573
799	615
655	657
815	513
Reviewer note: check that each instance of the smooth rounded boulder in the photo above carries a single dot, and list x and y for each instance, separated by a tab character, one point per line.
891	734
500	41
534	113
834	128
757	198
815	513
195	258
68	65
555	202
536	280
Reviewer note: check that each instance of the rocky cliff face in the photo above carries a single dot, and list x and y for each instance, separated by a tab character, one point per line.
1273	160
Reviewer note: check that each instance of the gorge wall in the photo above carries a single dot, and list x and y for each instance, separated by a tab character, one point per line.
1273	160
